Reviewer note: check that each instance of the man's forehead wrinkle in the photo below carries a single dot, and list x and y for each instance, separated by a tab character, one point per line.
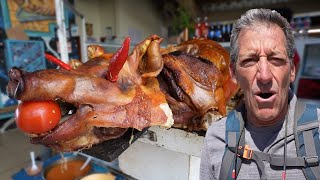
252	48
249	54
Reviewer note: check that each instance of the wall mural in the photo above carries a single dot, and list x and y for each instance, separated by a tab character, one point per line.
36	17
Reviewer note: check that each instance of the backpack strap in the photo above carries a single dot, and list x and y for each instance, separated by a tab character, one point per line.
234	137
306	132
236	151
306	126
246	153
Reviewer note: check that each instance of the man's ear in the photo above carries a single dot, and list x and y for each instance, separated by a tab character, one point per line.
292	73
232	73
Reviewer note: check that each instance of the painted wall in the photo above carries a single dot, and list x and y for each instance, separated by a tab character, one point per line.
98	12
136	18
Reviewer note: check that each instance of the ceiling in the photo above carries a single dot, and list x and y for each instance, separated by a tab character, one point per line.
224	10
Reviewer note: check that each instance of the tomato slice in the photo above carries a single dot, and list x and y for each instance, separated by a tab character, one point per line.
37	117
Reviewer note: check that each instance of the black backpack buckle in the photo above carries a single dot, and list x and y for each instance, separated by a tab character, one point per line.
245	152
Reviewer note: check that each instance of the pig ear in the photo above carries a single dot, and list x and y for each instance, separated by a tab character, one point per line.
117	61
152	64
95	51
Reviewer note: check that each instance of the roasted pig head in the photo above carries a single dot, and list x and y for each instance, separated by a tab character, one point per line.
104	109
196	81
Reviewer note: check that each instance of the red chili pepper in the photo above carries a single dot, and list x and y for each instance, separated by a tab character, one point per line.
58	62
117	61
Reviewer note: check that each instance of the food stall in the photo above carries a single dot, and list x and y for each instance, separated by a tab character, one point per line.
179	144
148	153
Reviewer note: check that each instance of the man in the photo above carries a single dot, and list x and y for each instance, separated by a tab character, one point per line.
262	49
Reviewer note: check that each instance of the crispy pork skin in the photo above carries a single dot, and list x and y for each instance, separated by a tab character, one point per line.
154	87
133	101
196	80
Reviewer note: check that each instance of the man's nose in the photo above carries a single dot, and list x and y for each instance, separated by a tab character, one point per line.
264	74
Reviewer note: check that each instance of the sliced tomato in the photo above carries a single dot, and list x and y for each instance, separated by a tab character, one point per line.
37	117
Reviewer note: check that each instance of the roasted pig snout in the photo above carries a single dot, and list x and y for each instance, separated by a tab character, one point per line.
16	84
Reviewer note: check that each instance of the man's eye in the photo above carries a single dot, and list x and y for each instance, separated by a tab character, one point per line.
277	61
248	62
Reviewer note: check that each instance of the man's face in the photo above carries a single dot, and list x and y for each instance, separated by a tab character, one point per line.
264	73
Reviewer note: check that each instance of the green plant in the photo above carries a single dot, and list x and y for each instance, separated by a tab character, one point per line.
182	20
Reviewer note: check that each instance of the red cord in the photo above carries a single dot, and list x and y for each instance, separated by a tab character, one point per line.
233	174
284	175
58	62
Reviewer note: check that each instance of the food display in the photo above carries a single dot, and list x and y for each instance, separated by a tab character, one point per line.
102	98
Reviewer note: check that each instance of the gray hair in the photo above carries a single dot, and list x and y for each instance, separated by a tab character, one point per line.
260	16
